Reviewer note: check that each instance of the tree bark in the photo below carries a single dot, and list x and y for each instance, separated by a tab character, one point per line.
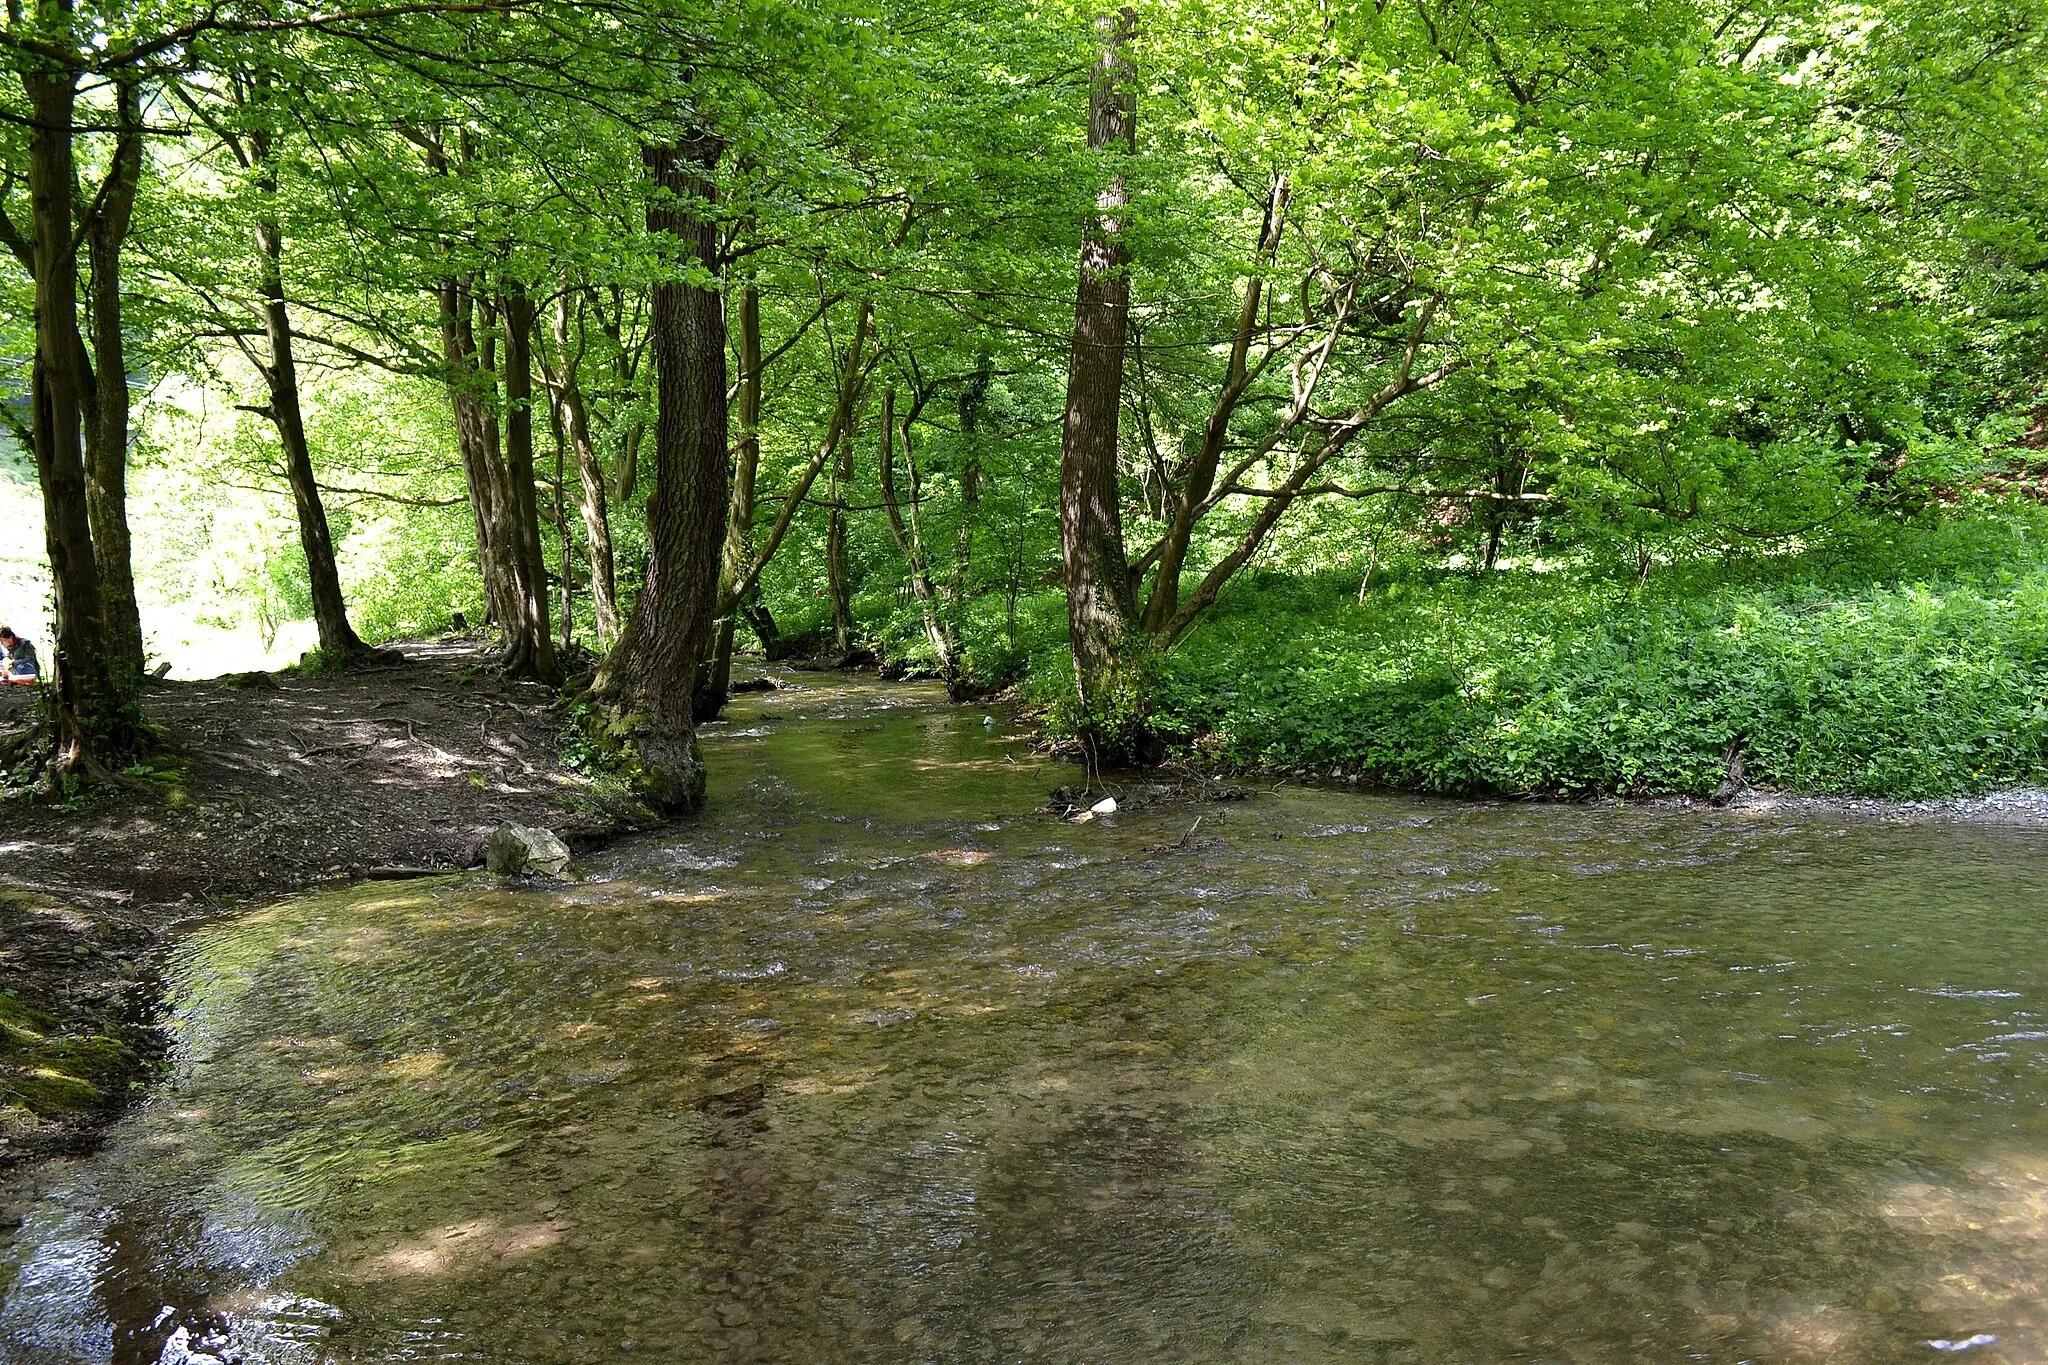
594	500
97	717
652	672
1100	607
106	434
529	646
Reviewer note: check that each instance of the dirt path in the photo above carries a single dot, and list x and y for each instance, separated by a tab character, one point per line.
276	782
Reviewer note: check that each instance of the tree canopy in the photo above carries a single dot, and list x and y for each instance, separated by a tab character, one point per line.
635	329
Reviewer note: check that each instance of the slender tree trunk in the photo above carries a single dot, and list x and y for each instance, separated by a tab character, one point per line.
529	646
1100	608
908	537
972	396
593	502
338	639
568	545
471	392
746	473
97	717
106	433
470	385
652	672
836	585
1188	499
625	371
852	378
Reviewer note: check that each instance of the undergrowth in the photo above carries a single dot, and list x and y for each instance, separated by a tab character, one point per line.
1900	661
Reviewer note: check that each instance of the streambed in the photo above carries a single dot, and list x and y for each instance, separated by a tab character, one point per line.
874	1063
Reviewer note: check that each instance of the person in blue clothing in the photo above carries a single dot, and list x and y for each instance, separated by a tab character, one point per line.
17	658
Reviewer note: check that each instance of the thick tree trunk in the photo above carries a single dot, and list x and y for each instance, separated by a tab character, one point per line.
1099	601
97	719
651	674
594	499
529	647
338	639
106	434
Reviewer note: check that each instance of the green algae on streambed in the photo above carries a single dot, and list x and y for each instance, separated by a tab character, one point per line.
67	1055
875	1063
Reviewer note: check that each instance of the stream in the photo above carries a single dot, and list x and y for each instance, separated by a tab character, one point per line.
872	1062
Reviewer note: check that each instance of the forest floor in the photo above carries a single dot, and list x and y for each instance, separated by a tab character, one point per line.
271	783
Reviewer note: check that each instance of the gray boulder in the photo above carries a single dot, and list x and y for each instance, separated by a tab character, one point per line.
525	851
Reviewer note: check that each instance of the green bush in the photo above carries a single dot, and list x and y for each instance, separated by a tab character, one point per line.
1896	662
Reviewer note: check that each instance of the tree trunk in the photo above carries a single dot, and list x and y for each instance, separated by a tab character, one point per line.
1189	498
597	523
625	368
1099	601
851	380
836	585
908	537
652	672
106	434
338	639
471	386
568	546
97	718
972	395
529	647
746	472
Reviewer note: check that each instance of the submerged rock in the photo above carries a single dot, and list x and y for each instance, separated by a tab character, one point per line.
525	851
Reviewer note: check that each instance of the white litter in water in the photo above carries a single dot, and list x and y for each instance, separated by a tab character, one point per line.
988	720
1981	1339
1106	806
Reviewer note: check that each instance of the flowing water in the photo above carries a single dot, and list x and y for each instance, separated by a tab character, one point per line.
873	1063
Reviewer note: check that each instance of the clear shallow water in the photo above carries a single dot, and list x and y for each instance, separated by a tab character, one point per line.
873	1064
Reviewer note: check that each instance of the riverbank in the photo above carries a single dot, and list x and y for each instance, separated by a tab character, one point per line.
269	783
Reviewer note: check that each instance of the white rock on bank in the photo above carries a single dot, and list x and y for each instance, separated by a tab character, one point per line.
525	851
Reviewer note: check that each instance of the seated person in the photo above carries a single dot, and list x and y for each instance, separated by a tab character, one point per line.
17	658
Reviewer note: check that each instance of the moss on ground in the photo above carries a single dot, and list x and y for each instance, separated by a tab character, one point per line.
64	1059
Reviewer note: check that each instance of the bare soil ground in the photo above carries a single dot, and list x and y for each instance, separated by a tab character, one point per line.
271	783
